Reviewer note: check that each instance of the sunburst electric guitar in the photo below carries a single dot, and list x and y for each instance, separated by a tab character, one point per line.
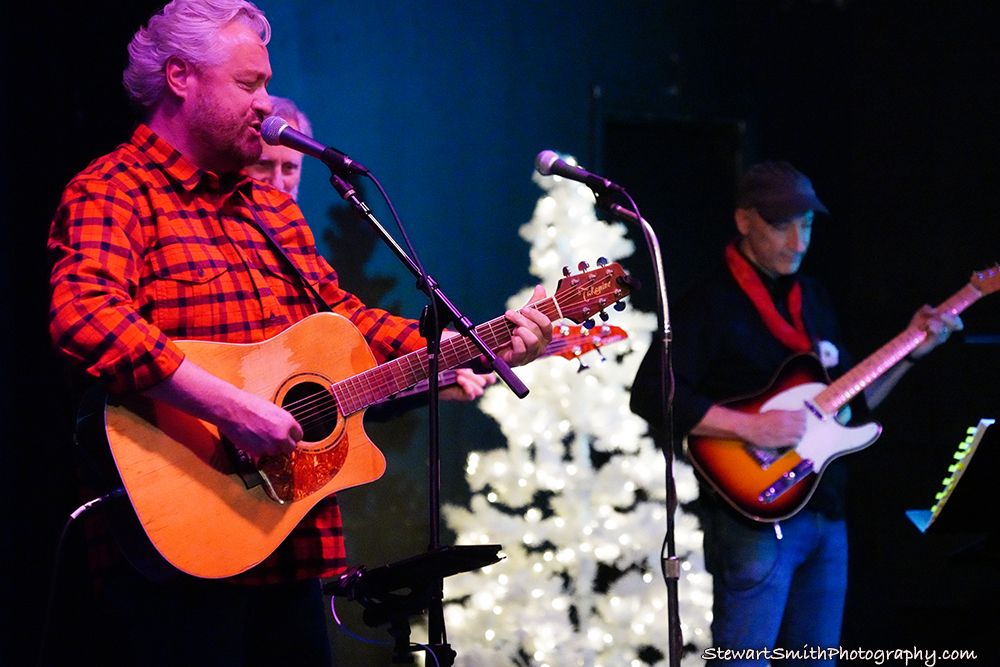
209	511
773	484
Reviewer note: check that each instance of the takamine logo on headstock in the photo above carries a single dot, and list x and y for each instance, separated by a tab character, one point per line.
582	296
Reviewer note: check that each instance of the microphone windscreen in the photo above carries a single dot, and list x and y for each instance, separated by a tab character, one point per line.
544	162
272	128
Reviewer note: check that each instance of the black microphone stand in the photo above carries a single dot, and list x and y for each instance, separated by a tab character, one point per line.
432	325
670	564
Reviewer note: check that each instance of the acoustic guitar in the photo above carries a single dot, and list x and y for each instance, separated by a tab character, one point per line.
211	512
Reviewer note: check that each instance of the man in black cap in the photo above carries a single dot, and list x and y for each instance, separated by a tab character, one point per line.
775	584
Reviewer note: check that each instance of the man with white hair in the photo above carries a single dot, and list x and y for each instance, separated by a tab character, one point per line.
165	239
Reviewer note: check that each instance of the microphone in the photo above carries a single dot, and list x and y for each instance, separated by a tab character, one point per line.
548	163
277	132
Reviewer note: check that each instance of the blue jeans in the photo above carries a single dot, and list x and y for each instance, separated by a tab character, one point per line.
771	593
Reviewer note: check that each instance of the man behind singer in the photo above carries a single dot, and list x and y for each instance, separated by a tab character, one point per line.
281	166
162	240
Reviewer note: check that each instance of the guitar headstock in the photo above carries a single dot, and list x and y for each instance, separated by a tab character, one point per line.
582	296
573	341
987	281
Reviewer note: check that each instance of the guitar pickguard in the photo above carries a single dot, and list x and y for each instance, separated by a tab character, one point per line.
825	437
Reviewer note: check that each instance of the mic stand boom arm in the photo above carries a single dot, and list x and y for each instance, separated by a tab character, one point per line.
429	286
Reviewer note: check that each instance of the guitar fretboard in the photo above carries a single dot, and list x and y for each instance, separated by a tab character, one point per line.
376	384
875	365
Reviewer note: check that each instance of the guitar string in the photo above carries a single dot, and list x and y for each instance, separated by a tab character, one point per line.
851	383
394	368
313	410
322	406
325	403
501	323
394	376
871	368
395	382
854	381
578	341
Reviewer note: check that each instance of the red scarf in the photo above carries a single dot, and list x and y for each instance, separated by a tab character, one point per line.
794	335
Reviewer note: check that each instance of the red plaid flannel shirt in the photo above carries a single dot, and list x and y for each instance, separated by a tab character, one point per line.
148	248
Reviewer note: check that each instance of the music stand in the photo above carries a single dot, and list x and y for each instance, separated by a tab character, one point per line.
392	593
924	519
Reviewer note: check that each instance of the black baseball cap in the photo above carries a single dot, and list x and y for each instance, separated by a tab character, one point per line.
778	191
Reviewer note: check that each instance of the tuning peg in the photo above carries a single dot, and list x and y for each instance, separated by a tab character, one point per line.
564	329
589	324
619	306
583	266
596	342
578	355
603	316
602	261
566	271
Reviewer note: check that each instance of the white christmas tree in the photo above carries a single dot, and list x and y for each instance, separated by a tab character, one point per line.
577	498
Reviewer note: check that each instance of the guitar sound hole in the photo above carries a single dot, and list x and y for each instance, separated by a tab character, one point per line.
314	408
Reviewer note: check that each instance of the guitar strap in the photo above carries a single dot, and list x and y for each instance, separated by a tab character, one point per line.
266	231
792	335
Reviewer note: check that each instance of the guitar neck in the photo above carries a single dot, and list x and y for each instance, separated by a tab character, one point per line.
849	385
379	383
